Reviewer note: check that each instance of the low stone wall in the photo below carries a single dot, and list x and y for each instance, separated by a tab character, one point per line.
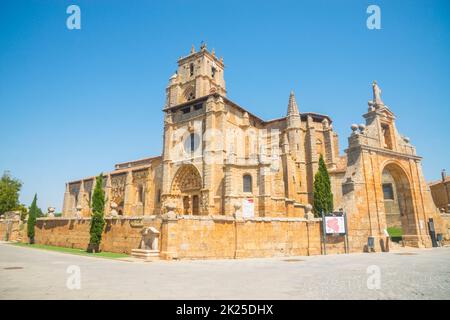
121	235
446	227
11	229
225	237
191	237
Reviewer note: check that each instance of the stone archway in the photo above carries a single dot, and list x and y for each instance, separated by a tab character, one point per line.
398	200
186	186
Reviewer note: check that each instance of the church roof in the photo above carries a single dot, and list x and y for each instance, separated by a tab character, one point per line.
316	116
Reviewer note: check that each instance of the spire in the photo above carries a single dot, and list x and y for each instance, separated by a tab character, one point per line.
192	49
292	106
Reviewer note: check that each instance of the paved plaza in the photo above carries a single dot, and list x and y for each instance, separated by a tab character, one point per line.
27	273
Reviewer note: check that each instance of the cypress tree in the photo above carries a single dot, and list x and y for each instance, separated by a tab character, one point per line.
323	197
32	214
97	219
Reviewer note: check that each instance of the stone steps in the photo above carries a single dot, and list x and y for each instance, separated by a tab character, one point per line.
146	254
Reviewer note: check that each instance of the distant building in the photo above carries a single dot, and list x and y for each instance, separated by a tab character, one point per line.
440	191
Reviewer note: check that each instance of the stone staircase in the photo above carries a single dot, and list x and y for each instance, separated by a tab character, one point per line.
146	254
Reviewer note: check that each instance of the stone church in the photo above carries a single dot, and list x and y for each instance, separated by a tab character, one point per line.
219	159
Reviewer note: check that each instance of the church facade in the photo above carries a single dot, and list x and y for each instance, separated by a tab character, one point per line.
218	159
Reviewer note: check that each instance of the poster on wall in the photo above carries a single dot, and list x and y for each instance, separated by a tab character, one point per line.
335	225
248	208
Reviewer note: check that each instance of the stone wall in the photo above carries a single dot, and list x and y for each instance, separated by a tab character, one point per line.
227	237
10	229
440	192
191	237
120	235
446	227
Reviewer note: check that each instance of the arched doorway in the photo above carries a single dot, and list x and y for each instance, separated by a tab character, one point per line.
186	186
398	201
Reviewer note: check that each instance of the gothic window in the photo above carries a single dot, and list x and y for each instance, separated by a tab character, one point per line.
192	140
141	194
213	72
191	143
158	196
319	147
189	93
186	110
191	69
388	191
247	183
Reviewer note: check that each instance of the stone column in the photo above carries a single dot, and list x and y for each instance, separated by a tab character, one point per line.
82	200
128	195
330	157
169	239
227	186
311	158
108	195
66	203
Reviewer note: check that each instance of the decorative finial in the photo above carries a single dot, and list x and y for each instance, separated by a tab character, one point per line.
377	94
221	59
292	105
203	46
192	49
213	52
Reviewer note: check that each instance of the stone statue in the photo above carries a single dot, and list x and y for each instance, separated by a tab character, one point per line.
113	206
377	94
308	212
50	212
78	212
237	209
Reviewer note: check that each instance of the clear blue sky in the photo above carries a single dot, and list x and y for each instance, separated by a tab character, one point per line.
74	103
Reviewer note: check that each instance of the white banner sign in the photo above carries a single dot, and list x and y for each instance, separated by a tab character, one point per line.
248	208
334	225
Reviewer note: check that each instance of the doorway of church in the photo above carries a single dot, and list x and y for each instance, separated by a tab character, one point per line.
195	204
191	204
398	204
186	205
186	186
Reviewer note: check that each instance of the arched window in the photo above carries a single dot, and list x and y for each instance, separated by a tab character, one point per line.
141	194
247	183
191	69
158	196
189	93
319	147
191	143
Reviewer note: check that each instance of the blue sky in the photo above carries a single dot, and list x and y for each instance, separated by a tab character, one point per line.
75	102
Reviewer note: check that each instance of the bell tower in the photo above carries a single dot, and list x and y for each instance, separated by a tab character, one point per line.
199	74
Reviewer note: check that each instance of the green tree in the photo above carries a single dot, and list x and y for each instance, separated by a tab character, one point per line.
23	211
97	220
32	214
323	197
9	193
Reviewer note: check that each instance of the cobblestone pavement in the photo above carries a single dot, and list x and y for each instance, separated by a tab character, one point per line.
408	274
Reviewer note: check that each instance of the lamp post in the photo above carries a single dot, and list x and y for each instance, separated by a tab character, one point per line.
444	176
